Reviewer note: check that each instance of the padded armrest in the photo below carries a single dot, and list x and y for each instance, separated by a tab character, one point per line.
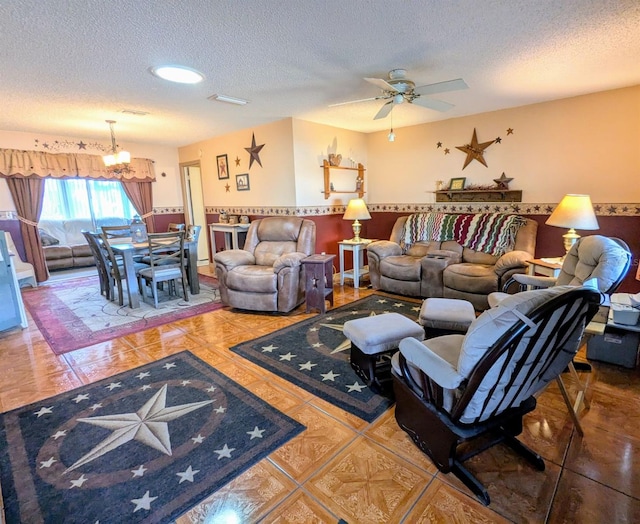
234	257
288	260
535	280
435	367
512	260
384	248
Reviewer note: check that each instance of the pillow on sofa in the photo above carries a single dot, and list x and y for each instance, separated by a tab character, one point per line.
46	239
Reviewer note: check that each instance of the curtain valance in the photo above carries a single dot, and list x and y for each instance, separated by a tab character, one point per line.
31	164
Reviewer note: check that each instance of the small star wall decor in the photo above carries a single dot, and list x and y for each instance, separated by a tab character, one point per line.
509	131
498	140
237	161
439	145
503	181
227	188
475	150
447	150
254	151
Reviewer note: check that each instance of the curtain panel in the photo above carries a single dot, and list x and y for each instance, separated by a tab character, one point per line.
40	164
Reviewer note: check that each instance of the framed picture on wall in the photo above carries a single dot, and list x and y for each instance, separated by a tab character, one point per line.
242	182
457	184
223	167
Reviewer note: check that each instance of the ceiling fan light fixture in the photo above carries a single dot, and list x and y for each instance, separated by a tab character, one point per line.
229	99
391	137
398	99
178	74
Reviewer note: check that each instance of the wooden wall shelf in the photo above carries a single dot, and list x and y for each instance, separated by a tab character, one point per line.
327	179
479	195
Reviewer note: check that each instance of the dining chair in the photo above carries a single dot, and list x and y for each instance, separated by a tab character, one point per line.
102	264
116	268
166	264
117	231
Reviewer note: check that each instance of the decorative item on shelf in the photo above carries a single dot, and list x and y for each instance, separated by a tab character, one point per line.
503	181
439	185
244	219
358	184
334	159
223	167
331	188
224	218
356	211
573	212
457	184
138	230
233	219
116	162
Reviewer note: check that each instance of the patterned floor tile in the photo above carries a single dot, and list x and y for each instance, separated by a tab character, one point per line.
300	508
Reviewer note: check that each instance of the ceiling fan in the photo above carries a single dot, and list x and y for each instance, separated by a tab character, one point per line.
398	89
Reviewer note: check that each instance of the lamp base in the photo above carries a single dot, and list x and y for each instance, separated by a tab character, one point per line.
570	238
356	226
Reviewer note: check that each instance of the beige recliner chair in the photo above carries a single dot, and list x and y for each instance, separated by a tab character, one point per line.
267	274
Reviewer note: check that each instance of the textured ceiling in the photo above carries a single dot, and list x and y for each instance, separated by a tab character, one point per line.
67	66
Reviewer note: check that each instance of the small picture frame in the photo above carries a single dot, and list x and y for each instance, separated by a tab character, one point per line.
223	167
457	184
242	182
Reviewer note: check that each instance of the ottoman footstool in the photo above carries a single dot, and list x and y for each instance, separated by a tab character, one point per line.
373	340
444	316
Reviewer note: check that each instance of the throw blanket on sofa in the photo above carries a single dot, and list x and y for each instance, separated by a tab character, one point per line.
492	233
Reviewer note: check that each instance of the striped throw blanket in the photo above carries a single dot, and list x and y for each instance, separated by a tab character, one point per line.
492	233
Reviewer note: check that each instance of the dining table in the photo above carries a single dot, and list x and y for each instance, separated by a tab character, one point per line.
128	250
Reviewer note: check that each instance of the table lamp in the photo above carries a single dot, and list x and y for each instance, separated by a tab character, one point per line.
573	212
356	211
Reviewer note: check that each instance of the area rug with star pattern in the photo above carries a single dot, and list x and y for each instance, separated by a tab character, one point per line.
314	354
142	446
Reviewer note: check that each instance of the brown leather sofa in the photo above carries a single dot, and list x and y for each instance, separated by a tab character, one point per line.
446	269
267	274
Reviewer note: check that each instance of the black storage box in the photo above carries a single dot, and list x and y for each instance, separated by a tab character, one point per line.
616	346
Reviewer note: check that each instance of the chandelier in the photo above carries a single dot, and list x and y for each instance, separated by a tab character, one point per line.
117	162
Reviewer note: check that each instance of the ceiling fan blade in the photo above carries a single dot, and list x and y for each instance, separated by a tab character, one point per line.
357	101
441	87
382	84
432	103
384	110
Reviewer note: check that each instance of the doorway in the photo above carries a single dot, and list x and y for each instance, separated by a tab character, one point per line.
194	212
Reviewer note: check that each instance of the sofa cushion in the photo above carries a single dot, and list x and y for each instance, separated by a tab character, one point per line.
253	279
46	239
471	278
57	253
401	267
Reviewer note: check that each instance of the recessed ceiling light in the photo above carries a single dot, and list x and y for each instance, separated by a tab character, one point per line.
180	74
229	99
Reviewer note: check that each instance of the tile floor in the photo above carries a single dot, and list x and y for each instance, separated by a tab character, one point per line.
344	468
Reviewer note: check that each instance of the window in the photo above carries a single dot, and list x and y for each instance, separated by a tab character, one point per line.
88	199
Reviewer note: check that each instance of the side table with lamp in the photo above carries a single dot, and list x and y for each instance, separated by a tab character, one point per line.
356	211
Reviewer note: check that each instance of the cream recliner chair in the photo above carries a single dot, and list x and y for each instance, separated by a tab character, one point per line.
24	271
267	274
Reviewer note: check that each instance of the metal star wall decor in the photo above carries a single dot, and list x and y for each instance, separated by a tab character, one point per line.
237	161
254	151
475	150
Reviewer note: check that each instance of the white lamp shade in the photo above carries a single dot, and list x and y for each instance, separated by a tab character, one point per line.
123	157
356	210
574	211
109	160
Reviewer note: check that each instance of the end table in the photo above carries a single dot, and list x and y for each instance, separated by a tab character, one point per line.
318	275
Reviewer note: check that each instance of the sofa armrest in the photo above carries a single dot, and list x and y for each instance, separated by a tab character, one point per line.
289	260
234	257
431	364
384	248
512	260
535	281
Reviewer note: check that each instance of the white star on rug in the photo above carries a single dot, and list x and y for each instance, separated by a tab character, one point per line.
144	502
355	387
224	452
145	387
95	406
148	425
79	398
138	472
211	389
114	385
78	482
169	365
288	356
256	433
416	308
316	345
398	304
198	440
186	382
143	374
43	411
220	409
47	463
307	365
59	434
313	329
269	349
329	376
187	474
